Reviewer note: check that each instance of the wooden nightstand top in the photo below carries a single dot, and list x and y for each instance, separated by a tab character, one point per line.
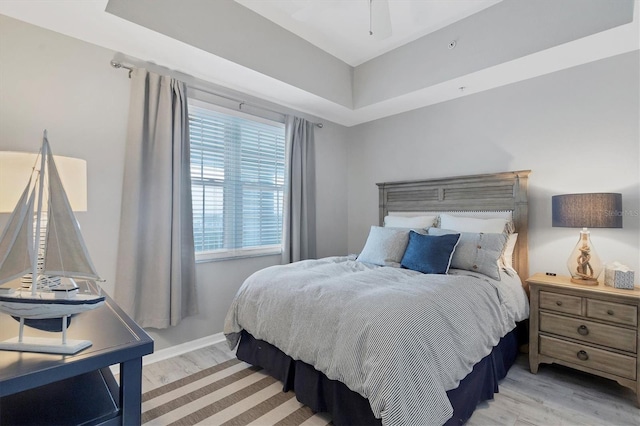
564	282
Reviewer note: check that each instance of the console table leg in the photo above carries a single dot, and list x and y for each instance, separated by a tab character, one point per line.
131	391
21	332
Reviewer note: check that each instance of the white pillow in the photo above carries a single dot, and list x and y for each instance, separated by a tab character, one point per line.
506	260
384	246
415	222
470	224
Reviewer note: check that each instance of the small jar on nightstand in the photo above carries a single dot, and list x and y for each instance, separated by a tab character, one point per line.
589	328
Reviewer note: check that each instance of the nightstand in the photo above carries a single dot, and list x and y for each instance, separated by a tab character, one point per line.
589	328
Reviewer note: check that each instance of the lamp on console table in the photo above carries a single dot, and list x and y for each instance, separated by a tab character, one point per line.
595	210
16	169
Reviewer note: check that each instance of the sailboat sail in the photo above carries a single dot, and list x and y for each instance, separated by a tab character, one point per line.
61	244
56	249
66	254
15	243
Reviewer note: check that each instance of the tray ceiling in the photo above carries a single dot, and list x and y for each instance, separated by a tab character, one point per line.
317	69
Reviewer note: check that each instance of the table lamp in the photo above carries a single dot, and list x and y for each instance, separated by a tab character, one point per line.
16	169
595	210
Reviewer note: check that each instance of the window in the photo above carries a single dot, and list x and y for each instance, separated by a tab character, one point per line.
237	182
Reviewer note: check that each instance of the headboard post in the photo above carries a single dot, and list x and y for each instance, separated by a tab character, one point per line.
521	222
381	204
506	191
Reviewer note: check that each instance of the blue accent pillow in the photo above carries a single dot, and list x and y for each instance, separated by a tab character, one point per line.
429	254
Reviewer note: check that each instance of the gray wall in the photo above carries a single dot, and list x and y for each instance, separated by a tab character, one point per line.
577	130
54	82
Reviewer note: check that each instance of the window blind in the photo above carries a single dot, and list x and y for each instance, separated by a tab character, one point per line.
237	178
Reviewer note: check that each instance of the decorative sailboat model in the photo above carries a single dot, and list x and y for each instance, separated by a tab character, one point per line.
46	242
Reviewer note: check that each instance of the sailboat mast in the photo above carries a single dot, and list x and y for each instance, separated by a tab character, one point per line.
36	243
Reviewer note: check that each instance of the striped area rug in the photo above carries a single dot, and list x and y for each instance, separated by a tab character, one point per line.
233	393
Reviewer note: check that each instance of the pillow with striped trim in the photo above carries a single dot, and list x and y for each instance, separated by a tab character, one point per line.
506	260
476	252
384	246
429	254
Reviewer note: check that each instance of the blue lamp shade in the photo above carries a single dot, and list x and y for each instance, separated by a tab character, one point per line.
595	210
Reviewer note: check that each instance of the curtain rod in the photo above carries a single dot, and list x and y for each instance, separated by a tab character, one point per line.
118	65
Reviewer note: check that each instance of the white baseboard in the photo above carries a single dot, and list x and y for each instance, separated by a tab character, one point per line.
183	348
177	350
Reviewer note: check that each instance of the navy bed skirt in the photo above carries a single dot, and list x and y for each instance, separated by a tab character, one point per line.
346	407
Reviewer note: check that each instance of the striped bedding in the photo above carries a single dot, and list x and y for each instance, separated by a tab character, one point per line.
398	337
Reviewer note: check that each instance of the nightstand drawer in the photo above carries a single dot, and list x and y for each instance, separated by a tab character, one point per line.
589	331
561	303
587	356
614	312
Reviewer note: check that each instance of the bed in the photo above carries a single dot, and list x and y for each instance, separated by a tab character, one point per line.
385	339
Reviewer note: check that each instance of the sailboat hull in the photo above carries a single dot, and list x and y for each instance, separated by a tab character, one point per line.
44	305
53	325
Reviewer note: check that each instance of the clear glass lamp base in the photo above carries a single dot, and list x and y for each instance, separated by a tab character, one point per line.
584	264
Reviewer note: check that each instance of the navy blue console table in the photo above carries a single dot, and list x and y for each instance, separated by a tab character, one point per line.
78	389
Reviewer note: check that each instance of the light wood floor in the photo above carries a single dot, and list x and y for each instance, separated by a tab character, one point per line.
555	396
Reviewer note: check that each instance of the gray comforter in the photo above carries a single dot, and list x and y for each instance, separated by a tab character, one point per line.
399	338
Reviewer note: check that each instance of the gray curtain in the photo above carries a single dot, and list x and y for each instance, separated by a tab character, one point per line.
299	240
155	280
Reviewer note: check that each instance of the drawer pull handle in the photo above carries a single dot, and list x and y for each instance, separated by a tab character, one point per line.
582	355
583	330
610	312
559	302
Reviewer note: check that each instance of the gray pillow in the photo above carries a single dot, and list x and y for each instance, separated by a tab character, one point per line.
385	246
476	252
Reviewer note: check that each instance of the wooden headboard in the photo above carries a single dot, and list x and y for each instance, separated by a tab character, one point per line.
488	192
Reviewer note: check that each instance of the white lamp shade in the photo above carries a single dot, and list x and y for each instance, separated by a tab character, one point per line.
16	168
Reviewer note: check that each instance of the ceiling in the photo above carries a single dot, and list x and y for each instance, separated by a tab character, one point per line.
307	55
341	27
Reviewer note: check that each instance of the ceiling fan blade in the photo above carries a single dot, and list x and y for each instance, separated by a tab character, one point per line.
380	19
